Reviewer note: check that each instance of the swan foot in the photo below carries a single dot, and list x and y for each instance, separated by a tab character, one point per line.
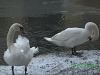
26	73
74	52
78	53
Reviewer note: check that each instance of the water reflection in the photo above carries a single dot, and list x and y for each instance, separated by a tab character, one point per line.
92	3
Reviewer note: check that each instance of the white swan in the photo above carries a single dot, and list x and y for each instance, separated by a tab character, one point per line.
19	53
72	37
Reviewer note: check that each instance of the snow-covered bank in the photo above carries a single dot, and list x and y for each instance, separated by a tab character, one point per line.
60	64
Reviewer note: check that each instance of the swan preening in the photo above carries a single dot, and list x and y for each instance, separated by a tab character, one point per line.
19	53
72	37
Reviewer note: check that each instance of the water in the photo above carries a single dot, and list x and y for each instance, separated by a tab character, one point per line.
43	18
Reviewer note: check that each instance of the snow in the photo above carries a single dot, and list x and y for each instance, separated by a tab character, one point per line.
60	64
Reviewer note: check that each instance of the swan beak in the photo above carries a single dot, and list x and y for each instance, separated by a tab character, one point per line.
90	38
22	30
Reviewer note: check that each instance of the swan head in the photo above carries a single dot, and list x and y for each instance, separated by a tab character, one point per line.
93	29
90	25
17	27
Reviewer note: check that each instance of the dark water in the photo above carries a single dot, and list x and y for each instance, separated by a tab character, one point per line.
43	18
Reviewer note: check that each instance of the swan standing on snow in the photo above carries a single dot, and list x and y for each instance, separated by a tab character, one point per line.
19	53
72	37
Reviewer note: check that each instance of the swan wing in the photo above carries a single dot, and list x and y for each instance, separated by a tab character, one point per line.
22	44
67	34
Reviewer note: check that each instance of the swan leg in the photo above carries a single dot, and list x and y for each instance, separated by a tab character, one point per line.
74	51
12	70
25	70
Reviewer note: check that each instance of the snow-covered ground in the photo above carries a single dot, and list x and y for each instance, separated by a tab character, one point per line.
62	63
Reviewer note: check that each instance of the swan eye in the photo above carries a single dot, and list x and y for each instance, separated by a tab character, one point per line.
21	29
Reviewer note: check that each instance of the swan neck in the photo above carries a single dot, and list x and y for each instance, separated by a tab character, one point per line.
95	33
10	37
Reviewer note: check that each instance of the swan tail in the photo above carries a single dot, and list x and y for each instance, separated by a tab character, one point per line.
48	39
34	50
